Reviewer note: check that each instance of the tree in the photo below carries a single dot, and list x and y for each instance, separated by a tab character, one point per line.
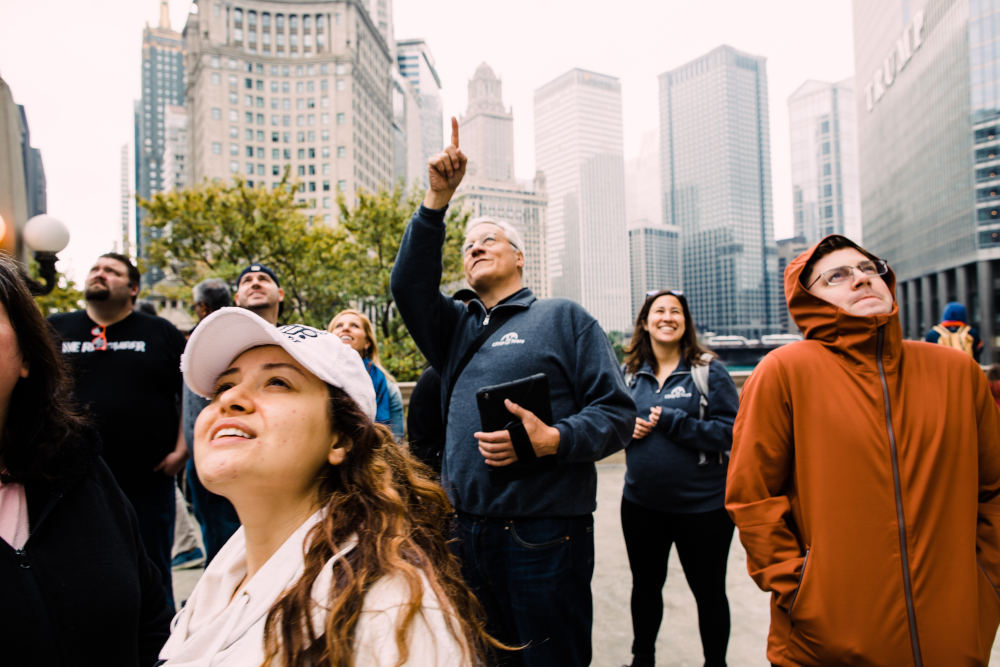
366	243
216	229
65	297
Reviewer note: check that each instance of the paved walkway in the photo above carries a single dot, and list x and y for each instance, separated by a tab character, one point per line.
678	644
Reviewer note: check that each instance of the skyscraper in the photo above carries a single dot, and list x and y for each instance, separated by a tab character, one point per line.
488	128
162	85
654	260
416	64
489	187
824	149
125	194
929	155
716	169
22	177
578	146
302	84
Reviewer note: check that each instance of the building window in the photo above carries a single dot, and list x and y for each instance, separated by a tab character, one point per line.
341	151
216	148
216	113
234	166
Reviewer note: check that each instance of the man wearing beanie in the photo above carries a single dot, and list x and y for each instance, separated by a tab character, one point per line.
258	290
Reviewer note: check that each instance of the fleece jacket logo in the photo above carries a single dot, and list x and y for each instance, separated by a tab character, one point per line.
508	339
677	392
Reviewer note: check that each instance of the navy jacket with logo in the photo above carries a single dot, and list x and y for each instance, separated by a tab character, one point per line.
590	405
662	470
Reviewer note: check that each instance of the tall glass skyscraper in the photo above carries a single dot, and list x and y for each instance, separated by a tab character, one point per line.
578	147
824	149
716	168
162	86
928	81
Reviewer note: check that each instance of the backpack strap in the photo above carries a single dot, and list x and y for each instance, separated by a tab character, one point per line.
699	373
494	320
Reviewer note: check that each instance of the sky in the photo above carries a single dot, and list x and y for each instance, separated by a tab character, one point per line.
75	66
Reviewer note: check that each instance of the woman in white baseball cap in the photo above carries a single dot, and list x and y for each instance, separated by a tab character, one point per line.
342	556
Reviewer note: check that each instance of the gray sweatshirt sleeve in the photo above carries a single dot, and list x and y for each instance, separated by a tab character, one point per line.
429	315
605	422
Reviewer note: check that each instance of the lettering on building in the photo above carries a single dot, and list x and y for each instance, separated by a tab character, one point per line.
894	63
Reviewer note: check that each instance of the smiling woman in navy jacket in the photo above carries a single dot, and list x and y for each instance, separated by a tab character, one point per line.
675	478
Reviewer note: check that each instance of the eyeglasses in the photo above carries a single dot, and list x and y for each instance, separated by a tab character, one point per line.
100	335
486	241
675	292
842	274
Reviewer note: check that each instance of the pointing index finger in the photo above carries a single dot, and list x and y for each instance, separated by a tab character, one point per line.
454	132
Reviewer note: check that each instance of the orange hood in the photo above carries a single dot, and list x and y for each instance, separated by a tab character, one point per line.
853	336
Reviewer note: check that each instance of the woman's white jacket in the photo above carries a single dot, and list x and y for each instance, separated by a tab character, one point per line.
217	629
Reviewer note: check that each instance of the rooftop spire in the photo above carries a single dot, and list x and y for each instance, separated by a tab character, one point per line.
165	14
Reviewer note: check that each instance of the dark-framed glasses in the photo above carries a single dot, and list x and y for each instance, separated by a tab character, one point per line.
100	335
839	275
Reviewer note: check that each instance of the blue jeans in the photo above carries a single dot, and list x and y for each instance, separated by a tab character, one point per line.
214	513
532	576
155	507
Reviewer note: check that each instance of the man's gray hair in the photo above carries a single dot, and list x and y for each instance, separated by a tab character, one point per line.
213	292
513	236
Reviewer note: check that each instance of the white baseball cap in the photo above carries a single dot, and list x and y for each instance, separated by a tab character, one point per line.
228	332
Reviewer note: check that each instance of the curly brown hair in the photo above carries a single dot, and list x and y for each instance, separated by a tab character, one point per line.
400	516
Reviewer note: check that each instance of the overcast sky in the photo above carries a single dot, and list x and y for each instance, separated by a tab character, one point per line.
75	66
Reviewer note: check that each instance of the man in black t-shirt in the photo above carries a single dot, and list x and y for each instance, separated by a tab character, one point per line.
126	367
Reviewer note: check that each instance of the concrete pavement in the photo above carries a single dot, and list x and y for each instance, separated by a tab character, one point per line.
678	644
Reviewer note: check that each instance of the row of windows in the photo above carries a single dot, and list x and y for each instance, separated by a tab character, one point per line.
279	19
278	153
215	62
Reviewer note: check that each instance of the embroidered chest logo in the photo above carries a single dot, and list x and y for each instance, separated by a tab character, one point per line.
677	392
508	339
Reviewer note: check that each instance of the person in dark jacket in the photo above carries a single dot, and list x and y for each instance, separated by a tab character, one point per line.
958	333
675	474
78	587
524	494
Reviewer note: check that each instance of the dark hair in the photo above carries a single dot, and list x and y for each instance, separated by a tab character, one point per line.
993	373
386	497
824	248
640	350
41	438
133	273
145	306
213	292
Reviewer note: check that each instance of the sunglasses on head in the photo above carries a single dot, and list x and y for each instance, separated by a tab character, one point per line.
675	292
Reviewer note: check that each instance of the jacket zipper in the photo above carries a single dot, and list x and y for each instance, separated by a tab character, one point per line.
798	587
907	586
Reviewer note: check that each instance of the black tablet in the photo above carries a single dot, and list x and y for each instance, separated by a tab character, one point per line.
531	393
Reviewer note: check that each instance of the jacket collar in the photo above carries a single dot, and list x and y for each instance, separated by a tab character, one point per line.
522	298
852	337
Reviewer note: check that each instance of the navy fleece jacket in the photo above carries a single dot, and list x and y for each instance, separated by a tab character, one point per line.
662	470
590	405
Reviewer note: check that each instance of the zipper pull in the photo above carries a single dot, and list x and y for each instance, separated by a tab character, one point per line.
487	320
22	559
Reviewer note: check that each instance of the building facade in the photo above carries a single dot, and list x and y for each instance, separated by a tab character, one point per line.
416	65
654	257
824	169
162	86
299	85
716	168
929	159
22	176
578	147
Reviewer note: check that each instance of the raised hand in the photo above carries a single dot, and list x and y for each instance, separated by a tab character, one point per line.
445	171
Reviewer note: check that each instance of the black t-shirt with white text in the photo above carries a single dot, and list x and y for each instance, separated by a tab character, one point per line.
131	389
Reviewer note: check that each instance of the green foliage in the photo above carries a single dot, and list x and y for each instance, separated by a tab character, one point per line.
65	297
216	229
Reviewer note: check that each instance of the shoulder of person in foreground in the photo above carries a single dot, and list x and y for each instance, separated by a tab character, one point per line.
433	639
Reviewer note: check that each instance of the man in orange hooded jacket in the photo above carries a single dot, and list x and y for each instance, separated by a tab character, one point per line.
865	480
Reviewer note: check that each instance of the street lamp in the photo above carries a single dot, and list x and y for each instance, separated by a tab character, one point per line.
47	236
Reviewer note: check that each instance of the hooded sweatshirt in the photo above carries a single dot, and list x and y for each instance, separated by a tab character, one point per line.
865	482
